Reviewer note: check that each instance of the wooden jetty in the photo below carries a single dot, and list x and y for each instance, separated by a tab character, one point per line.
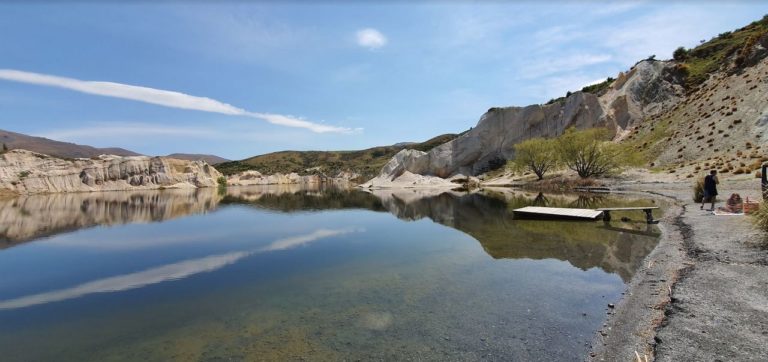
646	209
602	190
558	213
581	214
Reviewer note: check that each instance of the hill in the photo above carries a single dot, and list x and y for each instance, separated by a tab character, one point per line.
209	159
366	162
722	121
14	140
703	109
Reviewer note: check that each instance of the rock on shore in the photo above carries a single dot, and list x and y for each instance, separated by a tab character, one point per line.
27	172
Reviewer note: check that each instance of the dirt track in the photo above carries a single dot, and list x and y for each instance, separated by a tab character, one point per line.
716	268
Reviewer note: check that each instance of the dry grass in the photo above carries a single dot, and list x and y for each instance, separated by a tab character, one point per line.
760	217
698	190
561	184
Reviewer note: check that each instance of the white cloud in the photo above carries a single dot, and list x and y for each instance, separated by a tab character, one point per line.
163	98
371	38
296	241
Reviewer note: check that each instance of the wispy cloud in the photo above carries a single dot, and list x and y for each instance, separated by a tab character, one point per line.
370	38
562	64
115	131
164	98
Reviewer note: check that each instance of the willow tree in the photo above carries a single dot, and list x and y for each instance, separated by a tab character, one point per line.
589	152
538	155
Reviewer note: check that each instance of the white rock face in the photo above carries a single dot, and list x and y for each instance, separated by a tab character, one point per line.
248	178
27	172
647	89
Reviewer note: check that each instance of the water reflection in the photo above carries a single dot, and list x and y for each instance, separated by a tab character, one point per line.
30	217
618	247
283	273
170	272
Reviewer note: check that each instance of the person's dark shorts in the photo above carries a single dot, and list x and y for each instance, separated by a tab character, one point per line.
709	196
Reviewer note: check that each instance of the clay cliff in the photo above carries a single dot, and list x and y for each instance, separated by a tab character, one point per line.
647	89
27	172
706	108
249	178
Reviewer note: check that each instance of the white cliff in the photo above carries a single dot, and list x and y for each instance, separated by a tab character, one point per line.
27	172
647	89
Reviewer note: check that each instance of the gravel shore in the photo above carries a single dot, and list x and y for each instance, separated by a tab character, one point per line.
702	294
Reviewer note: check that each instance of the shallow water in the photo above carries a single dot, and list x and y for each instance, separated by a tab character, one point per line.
290	274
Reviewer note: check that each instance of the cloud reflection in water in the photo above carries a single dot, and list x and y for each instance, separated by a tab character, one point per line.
170	272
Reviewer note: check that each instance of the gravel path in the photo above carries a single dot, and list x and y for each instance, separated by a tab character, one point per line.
716	268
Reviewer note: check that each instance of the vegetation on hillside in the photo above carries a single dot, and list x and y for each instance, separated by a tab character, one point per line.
698	63
538	155
366	162
710	56
588	152
598	88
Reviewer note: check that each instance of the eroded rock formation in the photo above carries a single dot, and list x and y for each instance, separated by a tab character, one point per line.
647	89
27	172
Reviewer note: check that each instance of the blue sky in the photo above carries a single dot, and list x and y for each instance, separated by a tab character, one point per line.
239	79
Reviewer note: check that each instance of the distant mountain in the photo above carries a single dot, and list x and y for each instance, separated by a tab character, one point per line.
366	162
14	140
210	159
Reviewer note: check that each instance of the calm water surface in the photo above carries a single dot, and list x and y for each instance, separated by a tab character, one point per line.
291	274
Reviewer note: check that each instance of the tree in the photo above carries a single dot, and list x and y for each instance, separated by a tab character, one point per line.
538	155
680	54
589	152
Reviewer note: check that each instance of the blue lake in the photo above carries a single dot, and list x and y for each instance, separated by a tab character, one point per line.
307	274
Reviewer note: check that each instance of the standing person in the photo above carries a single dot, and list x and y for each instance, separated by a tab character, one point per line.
710	189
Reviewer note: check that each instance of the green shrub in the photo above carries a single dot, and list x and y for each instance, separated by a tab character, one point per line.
590	152
680	54
537	155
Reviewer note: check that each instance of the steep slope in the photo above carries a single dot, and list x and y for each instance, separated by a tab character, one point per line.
722	122
366	162
706	108
209	159
647	89
14	140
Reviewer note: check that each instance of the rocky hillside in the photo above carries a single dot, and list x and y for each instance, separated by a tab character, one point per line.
13	140
705	108
722	121
646	90
365	163
27	172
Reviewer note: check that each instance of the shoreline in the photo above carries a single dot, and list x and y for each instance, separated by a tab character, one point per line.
702	293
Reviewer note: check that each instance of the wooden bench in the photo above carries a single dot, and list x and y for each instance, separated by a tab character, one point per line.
647	209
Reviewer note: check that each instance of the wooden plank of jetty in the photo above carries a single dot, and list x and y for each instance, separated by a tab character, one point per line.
558	212
648	210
